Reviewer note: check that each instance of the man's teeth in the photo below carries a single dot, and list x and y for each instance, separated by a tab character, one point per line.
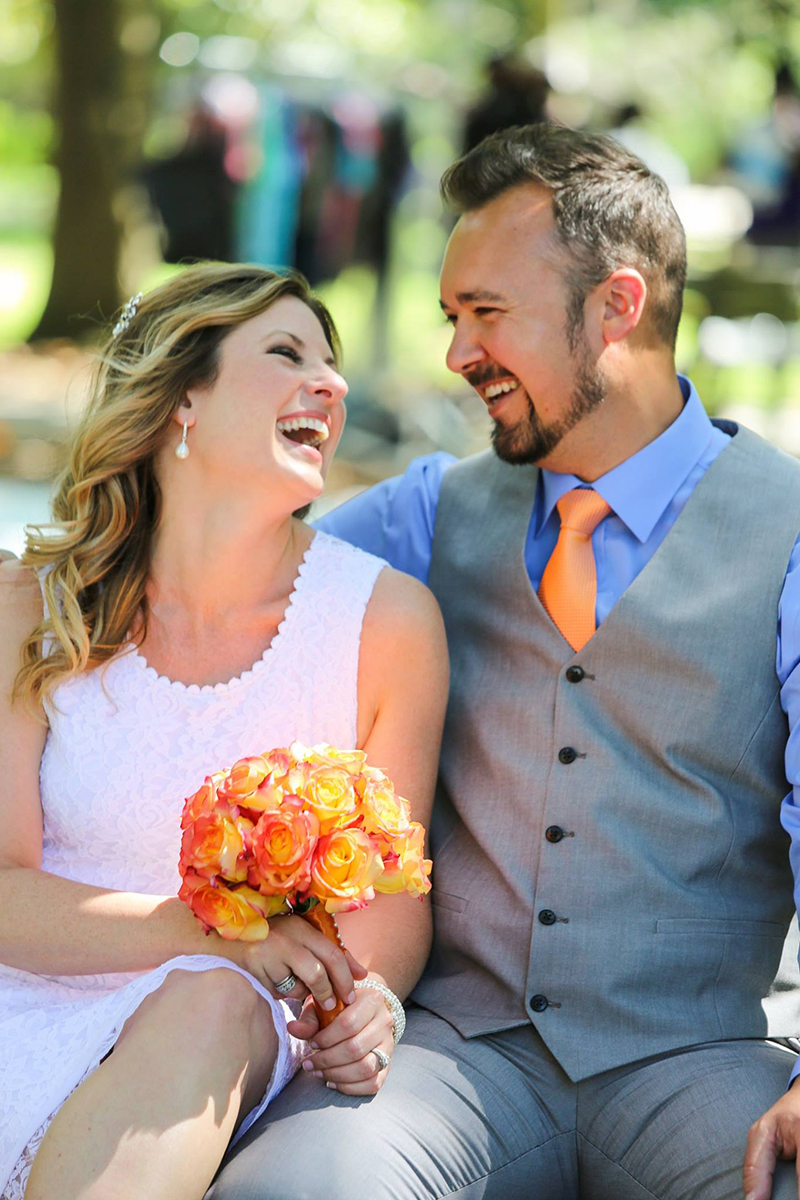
497	389
312	423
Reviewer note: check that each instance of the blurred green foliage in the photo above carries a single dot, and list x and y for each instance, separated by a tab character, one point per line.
700	69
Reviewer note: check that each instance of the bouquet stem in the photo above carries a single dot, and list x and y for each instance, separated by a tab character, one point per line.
325	922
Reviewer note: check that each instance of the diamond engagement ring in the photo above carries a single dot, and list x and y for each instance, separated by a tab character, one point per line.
286	985
383	1059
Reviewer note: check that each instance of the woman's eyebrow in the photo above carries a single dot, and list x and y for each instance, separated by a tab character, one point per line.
285	333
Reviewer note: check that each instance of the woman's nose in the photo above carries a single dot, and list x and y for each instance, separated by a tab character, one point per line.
329	387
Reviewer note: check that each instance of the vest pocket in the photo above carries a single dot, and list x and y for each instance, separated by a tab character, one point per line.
447	900
720	926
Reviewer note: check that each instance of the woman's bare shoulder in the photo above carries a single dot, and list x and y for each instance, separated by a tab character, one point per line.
401	604
402	635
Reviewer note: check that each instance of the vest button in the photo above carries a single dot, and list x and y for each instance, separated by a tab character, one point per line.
567	755
575	674
554	833
539	1003
547	917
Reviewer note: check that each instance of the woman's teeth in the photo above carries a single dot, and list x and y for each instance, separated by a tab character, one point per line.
316	431
497	389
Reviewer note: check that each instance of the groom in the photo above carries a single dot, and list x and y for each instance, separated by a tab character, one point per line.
604	1010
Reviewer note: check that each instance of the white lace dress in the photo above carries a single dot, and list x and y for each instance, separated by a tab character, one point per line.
124	748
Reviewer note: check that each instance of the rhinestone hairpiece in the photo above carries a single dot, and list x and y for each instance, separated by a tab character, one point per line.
127	315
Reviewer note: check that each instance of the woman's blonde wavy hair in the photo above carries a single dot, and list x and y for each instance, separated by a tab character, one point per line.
107	502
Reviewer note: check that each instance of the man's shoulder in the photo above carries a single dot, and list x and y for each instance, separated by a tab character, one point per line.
749	451
394	519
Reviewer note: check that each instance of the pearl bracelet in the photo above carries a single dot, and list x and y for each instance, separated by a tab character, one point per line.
393	1004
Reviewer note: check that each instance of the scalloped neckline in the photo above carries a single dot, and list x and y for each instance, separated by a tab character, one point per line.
279	636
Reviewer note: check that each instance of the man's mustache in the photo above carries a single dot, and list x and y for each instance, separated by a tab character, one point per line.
480	378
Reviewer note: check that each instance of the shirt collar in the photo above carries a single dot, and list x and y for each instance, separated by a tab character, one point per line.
640	488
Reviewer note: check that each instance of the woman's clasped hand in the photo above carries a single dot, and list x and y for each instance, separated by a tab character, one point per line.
295	948
344	1054
350	1054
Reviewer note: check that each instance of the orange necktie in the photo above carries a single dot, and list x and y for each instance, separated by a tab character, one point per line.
568	589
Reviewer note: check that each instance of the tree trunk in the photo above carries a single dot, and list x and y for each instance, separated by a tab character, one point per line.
88	115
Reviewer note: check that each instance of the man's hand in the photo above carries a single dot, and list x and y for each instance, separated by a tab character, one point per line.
773	1136
6	554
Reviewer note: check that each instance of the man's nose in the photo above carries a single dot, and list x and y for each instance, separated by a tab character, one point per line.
465	350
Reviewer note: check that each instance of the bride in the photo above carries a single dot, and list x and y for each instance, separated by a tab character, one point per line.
176	617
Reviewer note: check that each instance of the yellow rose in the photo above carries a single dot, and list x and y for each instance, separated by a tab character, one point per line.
323	755
330	795
382	811
406	869
344	869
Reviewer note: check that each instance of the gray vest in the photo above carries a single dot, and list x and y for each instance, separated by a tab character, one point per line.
609	862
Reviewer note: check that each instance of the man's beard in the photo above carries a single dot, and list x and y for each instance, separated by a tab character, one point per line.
530	440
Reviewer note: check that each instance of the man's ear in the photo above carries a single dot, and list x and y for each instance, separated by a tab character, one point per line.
622	297
7	555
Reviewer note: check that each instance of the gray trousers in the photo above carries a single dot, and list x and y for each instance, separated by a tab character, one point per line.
496	1118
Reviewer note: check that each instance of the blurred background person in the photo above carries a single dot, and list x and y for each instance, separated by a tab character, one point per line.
517	95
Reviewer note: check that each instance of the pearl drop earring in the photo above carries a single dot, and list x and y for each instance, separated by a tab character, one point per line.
182	450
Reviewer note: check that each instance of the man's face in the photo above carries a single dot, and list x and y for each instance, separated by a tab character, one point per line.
503	290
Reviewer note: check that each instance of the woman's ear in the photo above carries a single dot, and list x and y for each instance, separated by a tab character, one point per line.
185	413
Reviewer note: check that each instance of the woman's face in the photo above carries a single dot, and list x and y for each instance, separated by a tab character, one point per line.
275	411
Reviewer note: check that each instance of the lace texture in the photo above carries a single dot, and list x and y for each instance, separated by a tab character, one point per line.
124	748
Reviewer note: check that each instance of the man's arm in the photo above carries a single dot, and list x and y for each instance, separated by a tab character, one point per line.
395	519
777	1134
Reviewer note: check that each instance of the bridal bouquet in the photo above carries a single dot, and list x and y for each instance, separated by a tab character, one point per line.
311	831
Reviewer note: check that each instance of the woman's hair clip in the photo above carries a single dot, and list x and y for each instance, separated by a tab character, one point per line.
127	315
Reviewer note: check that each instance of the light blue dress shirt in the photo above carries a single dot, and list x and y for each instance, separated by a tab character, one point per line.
647	492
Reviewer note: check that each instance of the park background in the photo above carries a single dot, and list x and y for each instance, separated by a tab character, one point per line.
135	134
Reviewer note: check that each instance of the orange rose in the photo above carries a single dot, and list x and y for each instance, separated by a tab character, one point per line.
280	761
288	768
329	792
215	845
283	843
345	866
237	914
201	803
406	868
242	779
382	812
269	794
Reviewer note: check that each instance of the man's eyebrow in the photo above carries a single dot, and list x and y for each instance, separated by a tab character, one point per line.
330	361
473	297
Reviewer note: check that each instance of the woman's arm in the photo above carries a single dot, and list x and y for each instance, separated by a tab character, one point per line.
47	923
53	925
403	683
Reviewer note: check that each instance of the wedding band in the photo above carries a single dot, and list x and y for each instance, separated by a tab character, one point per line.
286	985
383	1059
